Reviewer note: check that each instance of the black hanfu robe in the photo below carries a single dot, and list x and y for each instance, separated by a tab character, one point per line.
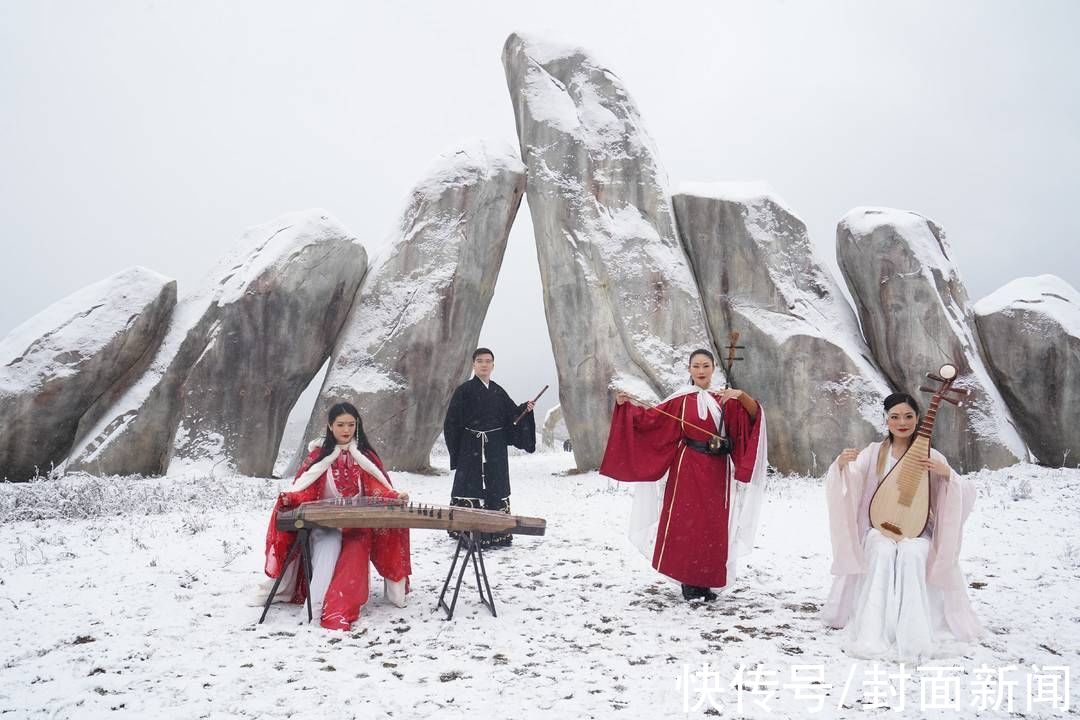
478	429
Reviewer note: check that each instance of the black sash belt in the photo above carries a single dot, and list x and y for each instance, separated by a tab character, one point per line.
715	446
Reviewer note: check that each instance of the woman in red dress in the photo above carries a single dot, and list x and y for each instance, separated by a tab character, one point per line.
703	520
343	465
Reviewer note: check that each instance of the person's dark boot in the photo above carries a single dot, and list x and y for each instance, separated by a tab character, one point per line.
708	595
691	592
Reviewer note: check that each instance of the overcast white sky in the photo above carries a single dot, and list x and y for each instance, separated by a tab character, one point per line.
153	133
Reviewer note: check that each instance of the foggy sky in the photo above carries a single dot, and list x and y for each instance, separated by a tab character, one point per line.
153	133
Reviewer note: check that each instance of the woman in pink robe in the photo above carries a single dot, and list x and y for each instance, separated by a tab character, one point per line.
898	600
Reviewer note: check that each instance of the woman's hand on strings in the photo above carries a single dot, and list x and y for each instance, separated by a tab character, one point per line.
403	496
935	466
846	456
730	394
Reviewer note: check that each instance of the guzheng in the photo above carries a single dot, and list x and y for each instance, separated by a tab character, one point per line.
369	512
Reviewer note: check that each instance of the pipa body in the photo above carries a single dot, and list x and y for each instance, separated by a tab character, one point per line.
900	507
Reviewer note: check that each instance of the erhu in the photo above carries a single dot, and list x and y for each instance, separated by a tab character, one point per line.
718	443
900	507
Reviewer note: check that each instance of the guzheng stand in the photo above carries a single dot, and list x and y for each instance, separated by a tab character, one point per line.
302	545
470	542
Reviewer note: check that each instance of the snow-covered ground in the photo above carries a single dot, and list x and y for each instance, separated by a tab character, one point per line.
133	598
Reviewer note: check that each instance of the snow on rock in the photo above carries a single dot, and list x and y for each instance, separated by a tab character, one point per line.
1030	333
805	356
621	301
409	338
915	316
236	356
68	360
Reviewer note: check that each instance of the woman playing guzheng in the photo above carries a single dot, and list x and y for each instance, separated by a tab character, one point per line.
695	524
898	600
343	465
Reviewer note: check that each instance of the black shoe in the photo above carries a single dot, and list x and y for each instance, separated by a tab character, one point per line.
691	592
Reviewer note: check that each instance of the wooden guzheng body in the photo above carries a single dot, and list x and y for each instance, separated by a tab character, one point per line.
367	512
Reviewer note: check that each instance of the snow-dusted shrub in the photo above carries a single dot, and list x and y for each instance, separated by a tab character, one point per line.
1021	490
1070	556
80	496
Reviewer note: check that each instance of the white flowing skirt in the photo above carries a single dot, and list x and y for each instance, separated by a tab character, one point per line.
896	614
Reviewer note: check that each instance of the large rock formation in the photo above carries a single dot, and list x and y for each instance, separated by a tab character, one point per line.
806	361
620	298
915	316
237	355
67	360
552	422
409	338
1030	333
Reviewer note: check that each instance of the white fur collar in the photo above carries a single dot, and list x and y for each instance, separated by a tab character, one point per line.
323	466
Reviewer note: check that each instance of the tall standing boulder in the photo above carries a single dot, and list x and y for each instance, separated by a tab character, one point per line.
58	366
619	295
805	356
409	338
1030	333
915	316
236	356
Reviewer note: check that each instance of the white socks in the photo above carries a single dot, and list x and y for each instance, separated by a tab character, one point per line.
394	591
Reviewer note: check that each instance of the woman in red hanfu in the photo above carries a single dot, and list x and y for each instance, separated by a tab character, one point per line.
695	524
343	465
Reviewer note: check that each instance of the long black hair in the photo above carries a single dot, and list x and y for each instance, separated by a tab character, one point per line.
700	351
329	442
896	399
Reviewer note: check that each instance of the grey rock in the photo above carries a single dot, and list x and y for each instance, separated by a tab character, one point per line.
409	338
60	365
1030	333
805	359
554	430
236	355
915	316
622	306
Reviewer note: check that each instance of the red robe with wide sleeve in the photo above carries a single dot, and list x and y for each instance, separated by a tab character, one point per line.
692	537
387	549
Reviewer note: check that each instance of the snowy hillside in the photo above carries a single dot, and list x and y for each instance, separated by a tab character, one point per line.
126	598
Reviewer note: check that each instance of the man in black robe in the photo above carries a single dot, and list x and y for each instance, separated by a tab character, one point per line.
479	426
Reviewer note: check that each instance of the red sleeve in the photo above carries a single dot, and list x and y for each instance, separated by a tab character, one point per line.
641	443
278	541
742	430
311	492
